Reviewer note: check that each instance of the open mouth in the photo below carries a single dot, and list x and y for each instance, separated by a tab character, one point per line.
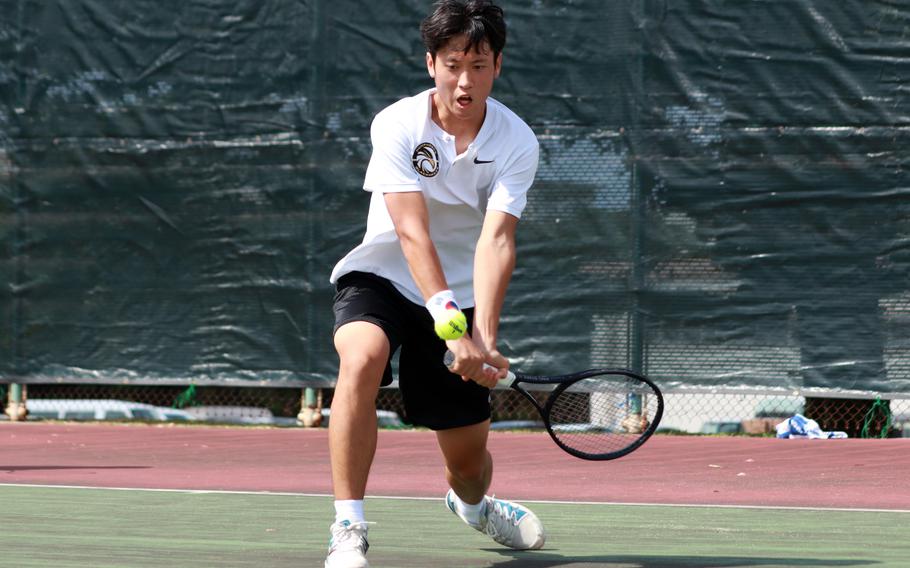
464	100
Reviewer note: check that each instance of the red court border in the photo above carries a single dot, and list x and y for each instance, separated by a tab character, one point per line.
869	474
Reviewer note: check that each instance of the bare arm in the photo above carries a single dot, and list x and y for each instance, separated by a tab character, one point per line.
494	261
412	224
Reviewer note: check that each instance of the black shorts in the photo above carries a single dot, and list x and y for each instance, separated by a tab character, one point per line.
433	397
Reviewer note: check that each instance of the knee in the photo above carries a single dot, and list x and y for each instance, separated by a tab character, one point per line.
359	361
363	349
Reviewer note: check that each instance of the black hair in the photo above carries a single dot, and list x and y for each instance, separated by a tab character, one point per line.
478	20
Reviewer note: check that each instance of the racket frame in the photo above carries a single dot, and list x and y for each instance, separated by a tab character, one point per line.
565	382
562	382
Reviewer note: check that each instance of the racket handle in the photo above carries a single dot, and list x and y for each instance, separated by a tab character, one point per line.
505	382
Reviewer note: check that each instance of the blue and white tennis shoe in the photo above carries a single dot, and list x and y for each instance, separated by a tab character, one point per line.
348	546
506	522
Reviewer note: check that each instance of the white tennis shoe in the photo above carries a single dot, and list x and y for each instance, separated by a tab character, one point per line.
348	546
508	523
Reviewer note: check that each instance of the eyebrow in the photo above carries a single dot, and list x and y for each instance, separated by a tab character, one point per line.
474	58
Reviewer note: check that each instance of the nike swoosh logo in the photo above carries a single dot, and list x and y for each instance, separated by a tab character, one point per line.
476	161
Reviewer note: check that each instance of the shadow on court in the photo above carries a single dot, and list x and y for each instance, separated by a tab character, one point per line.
542	559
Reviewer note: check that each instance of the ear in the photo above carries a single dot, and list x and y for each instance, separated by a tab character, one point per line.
431	65
497	65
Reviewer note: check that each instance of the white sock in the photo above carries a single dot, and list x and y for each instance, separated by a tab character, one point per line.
468	512
350	509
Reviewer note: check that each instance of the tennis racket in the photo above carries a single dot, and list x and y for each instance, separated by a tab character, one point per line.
598	414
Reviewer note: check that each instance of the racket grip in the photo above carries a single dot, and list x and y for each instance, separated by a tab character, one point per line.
506	382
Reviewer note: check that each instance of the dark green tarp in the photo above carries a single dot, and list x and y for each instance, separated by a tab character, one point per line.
722	197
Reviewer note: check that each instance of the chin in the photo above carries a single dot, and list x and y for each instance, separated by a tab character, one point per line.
468	112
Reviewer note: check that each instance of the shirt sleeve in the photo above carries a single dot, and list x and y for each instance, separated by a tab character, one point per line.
510	190
390	169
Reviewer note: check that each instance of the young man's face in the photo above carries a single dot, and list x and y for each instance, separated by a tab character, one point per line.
463	80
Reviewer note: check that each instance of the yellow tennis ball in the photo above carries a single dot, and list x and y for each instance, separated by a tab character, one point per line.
452	325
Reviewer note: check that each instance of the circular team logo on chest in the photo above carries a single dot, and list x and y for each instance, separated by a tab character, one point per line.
426	160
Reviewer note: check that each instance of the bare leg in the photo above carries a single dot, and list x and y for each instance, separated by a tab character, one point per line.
469	470
364	350
469	466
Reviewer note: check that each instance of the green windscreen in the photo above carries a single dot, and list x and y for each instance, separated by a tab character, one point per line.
723	195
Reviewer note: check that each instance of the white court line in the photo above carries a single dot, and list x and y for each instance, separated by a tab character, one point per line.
400	498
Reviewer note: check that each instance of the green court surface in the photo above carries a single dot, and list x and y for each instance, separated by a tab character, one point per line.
74	527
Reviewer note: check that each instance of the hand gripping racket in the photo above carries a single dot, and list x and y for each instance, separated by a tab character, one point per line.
598	414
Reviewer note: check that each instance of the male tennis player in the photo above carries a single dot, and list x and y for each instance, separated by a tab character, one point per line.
449	174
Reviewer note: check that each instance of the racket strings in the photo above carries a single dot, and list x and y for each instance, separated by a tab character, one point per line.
602	414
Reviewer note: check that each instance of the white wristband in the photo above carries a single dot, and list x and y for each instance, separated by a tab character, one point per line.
440	303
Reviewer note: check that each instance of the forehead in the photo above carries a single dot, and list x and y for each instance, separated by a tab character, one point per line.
457	48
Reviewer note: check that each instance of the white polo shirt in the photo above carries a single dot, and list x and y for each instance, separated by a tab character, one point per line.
412	153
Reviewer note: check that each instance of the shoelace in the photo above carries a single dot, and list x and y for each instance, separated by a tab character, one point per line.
341	534
503	511
491	527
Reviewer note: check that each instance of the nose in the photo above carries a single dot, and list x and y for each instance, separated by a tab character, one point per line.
465	80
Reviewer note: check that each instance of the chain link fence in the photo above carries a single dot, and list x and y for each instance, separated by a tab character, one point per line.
687	410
